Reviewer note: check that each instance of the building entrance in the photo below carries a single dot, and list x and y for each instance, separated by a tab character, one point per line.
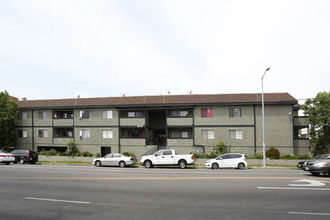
156	127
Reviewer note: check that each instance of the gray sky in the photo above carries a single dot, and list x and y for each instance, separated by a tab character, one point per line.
63	48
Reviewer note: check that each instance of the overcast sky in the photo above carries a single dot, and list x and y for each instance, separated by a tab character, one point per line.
62	49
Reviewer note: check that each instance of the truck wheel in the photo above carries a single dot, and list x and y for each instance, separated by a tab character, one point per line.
182	164
148	164
21	161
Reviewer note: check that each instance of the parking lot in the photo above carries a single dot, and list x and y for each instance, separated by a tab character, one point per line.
87	192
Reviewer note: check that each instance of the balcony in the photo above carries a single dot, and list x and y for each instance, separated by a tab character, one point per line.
300	121
179	121
137	122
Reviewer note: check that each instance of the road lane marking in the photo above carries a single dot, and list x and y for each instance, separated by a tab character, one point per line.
291	188
309	183
153	178
57	200
308	213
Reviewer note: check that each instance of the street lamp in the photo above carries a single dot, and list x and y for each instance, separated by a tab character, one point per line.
263	120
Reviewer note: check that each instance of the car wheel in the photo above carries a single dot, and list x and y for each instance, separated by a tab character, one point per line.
148	164
122	164
314	174
182	164
21	161
215	166
7	163
98	163
241	166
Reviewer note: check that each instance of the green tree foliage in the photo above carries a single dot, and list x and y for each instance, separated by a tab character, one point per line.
220	148
8	113
72	148
318	112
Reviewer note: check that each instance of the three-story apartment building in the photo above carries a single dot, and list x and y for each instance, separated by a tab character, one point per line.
142	124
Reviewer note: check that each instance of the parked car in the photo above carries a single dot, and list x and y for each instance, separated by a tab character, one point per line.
6	158
319	164
231	160
167	157
23	156
114	159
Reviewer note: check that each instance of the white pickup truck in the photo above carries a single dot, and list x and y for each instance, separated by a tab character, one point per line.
167	157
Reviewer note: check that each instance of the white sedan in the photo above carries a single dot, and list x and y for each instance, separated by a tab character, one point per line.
115	159
232	160
6	158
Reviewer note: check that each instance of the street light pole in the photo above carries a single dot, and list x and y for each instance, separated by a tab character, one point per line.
263	120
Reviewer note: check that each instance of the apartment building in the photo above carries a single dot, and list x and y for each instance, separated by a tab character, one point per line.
143	124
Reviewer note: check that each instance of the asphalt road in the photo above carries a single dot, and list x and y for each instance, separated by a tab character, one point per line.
86	192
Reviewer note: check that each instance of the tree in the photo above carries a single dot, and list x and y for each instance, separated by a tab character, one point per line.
317	111
72	148
8	113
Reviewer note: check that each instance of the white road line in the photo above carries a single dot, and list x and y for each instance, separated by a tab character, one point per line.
308	213
57	200
291	188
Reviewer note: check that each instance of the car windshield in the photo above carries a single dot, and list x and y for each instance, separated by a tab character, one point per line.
322	156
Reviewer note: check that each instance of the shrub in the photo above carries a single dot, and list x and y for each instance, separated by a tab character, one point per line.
51	152
86	154
77	154
288	157
257	155
303	157
273	153
62	154
129	154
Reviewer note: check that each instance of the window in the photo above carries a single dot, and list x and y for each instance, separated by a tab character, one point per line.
180	113
132	114
207	134
63	114
167	152
206	113
178	133
107	114
235	112
22	115
135	114
22	133
235	134
42	115
84	115
226	156
132	133
63	132
107	134
85	134
43	134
